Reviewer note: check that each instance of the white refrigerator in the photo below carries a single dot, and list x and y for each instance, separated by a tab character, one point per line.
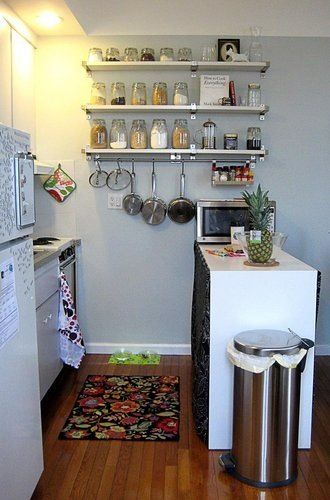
21	459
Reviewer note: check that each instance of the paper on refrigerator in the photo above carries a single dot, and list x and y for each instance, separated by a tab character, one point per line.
9	315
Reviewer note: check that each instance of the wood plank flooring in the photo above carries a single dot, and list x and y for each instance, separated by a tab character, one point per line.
181	470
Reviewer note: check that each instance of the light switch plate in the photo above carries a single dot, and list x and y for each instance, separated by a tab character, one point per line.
115	201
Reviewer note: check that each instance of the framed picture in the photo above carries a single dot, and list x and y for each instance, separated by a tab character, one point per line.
225	44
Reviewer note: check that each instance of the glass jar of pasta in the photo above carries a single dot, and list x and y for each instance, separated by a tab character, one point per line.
139	136
99	135
180	135
159	94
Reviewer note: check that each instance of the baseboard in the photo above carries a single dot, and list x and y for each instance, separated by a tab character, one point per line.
322	350
109	348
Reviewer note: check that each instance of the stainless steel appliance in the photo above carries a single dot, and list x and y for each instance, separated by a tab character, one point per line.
21	459
266	411
216	217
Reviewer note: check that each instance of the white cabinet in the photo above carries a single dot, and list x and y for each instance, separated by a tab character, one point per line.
5	74
48	337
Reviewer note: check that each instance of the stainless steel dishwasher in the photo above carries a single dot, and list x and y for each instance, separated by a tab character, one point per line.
68	264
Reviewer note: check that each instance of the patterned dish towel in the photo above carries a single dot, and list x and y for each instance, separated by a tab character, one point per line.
72	347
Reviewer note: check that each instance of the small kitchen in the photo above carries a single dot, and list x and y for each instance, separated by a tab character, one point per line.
134	284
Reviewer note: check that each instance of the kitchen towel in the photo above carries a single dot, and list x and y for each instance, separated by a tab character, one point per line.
72	348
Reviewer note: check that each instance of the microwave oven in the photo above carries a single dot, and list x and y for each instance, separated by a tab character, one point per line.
216	217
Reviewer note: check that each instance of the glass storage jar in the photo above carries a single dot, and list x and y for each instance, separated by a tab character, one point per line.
118	94
180	97
180	135
166	54
139	94
131	54
185	54
253	138
159	93
99	135
254	95
118	134
112	54
159	134
139	135
147	54
95	55
98	93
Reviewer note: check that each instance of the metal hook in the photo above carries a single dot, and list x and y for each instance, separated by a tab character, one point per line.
118	164
133	163
153	165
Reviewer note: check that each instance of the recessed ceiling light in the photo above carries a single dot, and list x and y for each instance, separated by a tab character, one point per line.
48	20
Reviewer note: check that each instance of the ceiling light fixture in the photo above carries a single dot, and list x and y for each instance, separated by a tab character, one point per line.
48	20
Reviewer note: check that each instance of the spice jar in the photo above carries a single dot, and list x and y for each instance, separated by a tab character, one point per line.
99	135
147	54
254	95
98	93
230	141
118	94
95	55
159	93
118	134
139	94
112	54
131	54
232	173
253	138
184	54
159	134
180	97
180	135
166	54
139	136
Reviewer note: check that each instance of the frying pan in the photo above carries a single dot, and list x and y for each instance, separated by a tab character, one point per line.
181	210
154	209
132	202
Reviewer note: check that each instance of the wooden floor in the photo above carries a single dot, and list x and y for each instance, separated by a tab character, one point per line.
185	469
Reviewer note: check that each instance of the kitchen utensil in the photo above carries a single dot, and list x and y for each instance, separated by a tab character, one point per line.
208	135
132	202
118	179
98	178
60	185
154	209
181	210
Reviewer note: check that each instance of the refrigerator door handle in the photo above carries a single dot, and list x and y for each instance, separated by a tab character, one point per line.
24	190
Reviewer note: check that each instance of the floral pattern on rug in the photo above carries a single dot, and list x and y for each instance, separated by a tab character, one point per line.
135	408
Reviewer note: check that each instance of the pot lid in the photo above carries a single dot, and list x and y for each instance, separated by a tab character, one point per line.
267	342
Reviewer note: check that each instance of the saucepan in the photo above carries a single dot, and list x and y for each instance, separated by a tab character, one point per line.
181	210
154	209
132	202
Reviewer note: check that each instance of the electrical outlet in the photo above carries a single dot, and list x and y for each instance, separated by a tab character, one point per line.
115	201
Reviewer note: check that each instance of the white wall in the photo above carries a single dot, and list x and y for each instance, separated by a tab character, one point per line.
136	280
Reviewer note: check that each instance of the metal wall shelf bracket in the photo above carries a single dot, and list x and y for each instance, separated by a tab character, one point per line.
194	69
193	111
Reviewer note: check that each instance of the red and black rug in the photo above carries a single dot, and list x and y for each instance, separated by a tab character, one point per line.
134	408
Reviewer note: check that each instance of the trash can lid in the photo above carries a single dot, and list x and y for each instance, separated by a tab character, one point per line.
267	342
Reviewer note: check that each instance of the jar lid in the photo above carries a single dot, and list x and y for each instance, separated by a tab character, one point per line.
160	83
267	342
254	86
209	123
231	136
146	49
95	48
166	48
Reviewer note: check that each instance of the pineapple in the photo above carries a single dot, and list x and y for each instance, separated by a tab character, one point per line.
260	216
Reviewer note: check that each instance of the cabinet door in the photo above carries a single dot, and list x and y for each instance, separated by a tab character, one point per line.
5	74
48	337
23	86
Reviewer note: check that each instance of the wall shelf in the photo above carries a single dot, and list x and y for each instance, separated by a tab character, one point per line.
192	66
193	109
232	183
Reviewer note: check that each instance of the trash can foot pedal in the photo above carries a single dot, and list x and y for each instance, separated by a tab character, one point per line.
226	462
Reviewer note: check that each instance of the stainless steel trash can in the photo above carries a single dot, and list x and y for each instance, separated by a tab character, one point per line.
266	411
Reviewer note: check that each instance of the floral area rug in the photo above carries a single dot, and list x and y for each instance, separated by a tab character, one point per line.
135	408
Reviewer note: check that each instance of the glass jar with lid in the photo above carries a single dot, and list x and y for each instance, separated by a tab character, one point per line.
139	135
98	135
112	54
180	97
118	94
147	54
185	54
254	95
159	94
166	54
118	134
180	135
253	138
95	55
139	94
159	134
131	54
98	93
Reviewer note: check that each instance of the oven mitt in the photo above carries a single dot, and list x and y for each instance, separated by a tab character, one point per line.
60	185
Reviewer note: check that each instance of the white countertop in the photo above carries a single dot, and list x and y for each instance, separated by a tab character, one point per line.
46	253
216	263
